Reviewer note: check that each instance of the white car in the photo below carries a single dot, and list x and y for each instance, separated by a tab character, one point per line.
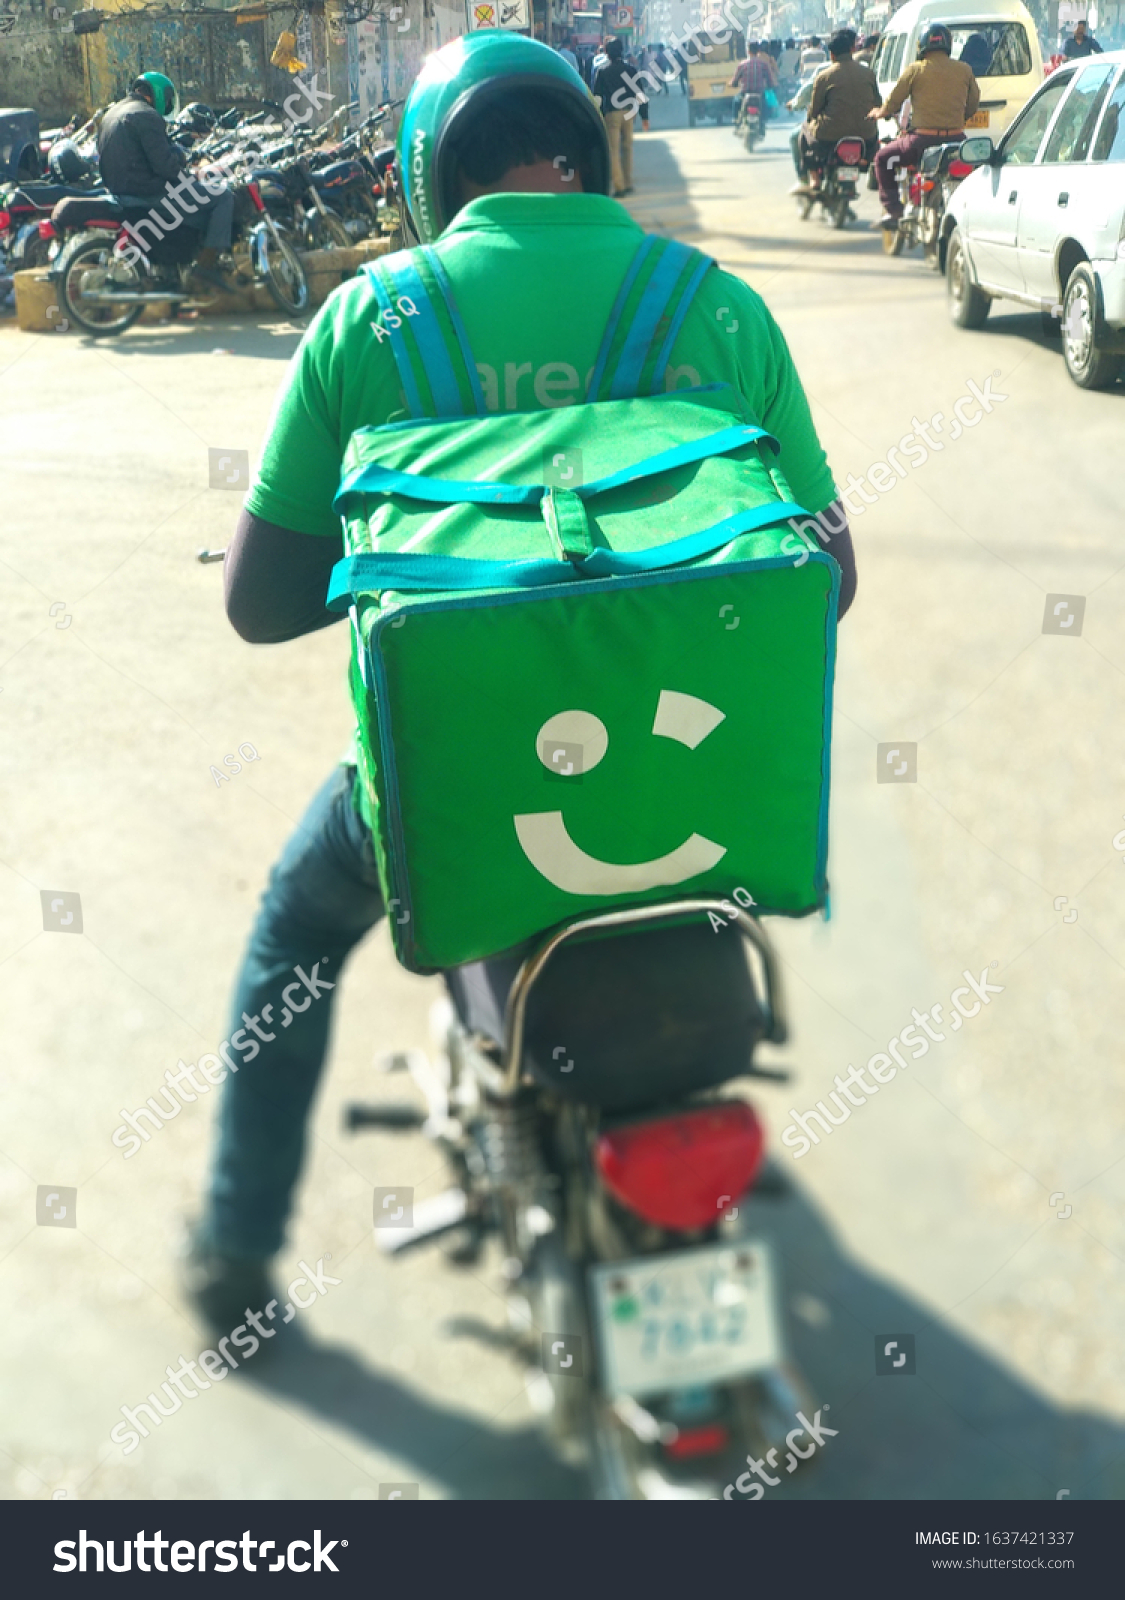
1041	220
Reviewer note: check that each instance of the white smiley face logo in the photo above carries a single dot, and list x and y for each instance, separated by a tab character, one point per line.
543	835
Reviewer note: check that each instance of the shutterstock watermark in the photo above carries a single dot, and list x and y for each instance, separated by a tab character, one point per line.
733	18
219	1363
816	1431
887	473
882	1068
247	1040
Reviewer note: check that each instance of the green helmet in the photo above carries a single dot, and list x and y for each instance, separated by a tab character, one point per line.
455	84
163	91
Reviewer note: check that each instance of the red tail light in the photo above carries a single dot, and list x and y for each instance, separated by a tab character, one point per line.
928	184
683	1171
5	221
849	151
255	194
691	1442
47	229
916	189
960	169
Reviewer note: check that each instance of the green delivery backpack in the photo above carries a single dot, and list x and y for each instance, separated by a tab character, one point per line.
587	668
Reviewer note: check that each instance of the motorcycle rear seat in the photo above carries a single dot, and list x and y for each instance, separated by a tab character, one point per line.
938	157
626	1022
91	211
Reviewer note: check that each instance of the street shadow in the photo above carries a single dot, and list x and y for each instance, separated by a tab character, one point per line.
262	334
1010	321
470	1459
962	1426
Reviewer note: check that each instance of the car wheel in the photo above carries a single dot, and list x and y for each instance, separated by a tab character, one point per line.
1088	362
968	304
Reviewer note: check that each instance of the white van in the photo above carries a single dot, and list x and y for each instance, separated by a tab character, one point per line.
996	37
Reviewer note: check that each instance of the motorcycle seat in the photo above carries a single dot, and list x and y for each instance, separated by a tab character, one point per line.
626	1022
89	211
937	158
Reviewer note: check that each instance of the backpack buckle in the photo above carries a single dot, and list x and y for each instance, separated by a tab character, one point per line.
564	513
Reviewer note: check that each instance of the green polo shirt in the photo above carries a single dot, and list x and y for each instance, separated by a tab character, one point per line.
535	277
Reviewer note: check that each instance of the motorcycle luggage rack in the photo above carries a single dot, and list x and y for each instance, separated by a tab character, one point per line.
776	1030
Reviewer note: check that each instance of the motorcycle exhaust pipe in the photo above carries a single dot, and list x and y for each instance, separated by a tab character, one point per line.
109	297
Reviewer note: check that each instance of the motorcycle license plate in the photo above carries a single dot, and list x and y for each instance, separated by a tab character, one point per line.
691	1317
979	119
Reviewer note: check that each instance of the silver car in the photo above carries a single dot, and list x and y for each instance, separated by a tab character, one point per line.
1041	220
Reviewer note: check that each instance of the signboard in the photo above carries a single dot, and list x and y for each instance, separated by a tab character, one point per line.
499	14
622	17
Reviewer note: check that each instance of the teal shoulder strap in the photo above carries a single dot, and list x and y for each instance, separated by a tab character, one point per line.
418	314
646	318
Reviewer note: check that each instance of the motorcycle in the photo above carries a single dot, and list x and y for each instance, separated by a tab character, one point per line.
104	281
839	179
23	208
749	122
580	1098
925	193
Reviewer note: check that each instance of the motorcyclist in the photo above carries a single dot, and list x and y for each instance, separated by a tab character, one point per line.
943	94
753	76
844	97
142	167
508	173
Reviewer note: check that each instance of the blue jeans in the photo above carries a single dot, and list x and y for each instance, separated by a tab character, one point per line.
323	896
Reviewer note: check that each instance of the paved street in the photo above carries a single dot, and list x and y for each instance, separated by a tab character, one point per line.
978	1205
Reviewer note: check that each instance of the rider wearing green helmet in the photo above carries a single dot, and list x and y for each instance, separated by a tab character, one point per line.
147	173
163	92
504	163
464	95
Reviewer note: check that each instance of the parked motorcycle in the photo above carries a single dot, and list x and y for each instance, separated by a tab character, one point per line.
749	122
23	209
104	282
925	193
839	179
580	1098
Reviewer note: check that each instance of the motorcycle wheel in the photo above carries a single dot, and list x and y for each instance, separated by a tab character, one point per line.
283	272
807	202
82	270
840	213
327	231
894	241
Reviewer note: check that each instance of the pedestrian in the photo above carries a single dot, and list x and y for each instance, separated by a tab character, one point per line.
567	53
610	81
1082	43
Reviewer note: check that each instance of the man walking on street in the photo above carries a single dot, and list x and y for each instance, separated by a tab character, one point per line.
609	80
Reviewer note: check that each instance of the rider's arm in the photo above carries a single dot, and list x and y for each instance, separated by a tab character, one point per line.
275	580
972	98
161	154
900	92
821	85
